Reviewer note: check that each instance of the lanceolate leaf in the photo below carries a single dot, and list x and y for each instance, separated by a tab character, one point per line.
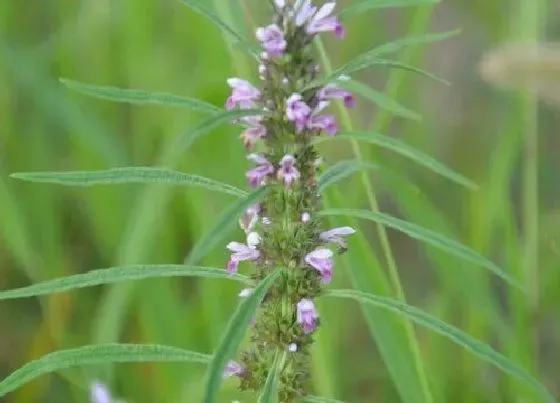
341	170
458	336
135	96
233	335
388	63
123	175
221	230
210	15
360	6
405	150
425	235
318	399
116	275
97	354
269	392
379	99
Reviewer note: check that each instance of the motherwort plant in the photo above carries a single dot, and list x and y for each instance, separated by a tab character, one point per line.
284	230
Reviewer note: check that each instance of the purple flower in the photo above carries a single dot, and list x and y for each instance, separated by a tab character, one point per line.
254	132
250	218
335	235
272	39
100	393
307	315
332	91
320	260
304	11
321	22
242	252
322	122
233	368
257	176
243	95
297	111
288	172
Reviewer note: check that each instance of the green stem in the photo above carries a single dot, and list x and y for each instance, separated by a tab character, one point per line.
382	233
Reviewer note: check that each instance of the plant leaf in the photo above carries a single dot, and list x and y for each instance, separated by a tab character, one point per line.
319	399
136	96
360	6
116	176
269	392
97	354
425	235
392	64
220	231
341	170
184	142
233	336
406	151
458	336
199	8
379	99
114	275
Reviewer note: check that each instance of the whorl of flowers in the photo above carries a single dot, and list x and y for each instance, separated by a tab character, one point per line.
283	230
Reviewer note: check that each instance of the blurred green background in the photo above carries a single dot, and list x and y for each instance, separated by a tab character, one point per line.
487	134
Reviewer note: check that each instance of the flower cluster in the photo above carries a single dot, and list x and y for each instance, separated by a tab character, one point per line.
282	230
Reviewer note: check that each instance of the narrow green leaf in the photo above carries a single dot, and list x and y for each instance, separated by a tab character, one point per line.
404	150
319	399
341	170
136	96
364	5
184	142
203	10
97	354
117	176
388	63
379	99
117	275
221	229
269	392
233	336
456	335
425	235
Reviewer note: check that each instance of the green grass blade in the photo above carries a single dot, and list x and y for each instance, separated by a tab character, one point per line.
114	275
221	230
365	5
341	170
404	150
136	96
379	99
97	354
269	392
116	176
210	15
456	335
425	235
391	64
233	336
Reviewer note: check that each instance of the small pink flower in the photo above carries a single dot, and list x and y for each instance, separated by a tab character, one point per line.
100	393
243	95
250	218
320	260
336	235
242	252
257	176
321	22
307	315
272	39
325	123
332	91
253	133
297	111
233	368
288	172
